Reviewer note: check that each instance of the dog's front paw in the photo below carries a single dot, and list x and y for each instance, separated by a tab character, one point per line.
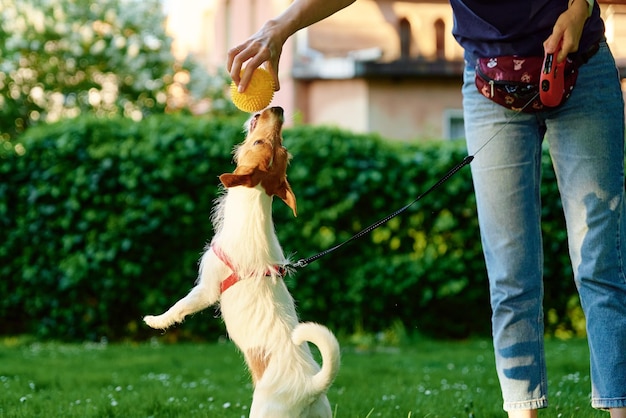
157	322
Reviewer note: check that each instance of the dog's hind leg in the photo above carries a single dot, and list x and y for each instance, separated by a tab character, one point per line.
257	360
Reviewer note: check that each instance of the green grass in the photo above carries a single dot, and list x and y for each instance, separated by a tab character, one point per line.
421	379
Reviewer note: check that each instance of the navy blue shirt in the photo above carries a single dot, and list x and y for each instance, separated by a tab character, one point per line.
491	28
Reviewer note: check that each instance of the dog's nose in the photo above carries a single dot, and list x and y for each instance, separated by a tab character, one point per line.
278	111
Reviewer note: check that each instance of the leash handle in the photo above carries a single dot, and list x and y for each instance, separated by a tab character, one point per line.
552	79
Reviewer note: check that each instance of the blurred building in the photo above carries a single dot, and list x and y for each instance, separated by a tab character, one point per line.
383	66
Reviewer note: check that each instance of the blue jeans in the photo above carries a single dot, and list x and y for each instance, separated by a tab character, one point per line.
586	143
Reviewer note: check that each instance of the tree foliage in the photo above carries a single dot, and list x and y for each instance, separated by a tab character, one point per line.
62	58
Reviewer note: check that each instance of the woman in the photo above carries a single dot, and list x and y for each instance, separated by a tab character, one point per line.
586	142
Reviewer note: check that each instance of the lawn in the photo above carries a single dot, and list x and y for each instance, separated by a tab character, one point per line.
421	379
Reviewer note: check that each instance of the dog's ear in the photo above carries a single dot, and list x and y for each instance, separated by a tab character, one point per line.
232	180
243	176
287	195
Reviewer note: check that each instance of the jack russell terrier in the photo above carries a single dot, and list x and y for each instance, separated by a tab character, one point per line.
242	269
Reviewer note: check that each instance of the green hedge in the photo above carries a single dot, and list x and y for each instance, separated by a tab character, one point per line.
103	221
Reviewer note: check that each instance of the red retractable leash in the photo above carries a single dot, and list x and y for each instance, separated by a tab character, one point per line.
552	80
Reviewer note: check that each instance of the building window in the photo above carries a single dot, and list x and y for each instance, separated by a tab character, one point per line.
453	124
405	38
440	39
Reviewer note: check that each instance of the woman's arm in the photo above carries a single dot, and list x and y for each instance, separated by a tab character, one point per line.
267	43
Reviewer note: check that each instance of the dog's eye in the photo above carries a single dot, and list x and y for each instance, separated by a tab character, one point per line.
258	142
253	122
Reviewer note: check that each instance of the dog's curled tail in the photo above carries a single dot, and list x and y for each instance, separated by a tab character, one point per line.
328	347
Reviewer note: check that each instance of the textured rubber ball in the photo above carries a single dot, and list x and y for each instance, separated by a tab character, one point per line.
258	94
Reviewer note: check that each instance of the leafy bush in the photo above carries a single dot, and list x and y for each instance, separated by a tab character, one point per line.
103	220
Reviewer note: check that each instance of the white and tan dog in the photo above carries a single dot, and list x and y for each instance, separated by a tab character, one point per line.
241	269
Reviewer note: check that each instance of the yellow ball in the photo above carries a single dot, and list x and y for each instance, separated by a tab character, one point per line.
258	94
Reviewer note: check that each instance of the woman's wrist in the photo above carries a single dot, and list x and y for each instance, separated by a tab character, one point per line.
278	29
586	5
589	7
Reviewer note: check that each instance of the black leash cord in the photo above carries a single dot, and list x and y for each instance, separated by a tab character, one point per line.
306	261
467	160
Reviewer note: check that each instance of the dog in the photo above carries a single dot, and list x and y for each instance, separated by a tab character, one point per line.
242	269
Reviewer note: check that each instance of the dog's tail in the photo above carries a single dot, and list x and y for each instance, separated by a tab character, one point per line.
328	347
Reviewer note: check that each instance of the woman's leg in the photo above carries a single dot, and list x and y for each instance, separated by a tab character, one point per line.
586	139
506	175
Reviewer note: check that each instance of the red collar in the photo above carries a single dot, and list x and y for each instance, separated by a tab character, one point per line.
233	278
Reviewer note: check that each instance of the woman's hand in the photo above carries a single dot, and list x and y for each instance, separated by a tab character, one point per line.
265	45
569	28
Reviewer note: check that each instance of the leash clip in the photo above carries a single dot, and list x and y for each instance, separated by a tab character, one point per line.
300	263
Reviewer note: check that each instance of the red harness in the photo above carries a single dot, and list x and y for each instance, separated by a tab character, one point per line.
233	278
